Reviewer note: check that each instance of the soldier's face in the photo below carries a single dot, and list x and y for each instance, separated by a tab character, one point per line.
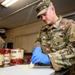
48	17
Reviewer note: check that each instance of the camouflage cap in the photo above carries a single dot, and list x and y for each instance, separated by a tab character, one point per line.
42	7
2	31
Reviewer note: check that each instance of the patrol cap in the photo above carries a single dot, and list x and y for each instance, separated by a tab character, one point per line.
2	31
42	7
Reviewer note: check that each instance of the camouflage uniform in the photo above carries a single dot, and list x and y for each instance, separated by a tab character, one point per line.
2	44
58	41
2	37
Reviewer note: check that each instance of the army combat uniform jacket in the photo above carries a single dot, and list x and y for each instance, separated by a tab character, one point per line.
2	43
58	41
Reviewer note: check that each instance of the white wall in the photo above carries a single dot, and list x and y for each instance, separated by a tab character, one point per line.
24	36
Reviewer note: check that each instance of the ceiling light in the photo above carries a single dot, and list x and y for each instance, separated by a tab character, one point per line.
7	3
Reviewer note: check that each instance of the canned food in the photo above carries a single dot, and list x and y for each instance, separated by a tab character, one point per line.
1	57
17	56
7	57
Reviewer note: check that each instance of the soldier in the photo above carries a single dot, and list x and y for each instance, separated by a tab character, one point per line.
2	37
56	41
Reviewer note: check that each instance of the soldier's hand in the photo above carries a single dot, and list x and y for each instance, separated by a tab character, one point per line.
39	57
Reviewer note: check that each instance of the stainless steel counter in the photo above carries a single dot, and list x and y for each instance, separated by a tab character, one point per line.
37	70
16	70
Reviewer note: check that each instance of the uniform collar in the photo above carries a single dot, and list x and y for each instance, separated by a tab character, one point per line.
50	26
56	24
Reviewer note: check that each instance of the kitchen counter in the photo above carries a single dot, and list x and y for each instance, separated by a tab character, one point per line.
35	71
21	70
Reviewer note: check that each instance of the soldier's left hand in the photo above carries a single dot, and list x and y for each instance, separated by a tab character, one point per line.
39	57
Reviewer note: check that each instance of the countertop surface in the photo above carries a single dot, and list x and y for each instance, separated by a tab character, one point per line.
37	70
18	70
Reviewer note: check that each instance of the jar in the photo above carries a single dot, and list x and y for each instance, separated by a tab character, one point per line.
1	57
17	56
7	57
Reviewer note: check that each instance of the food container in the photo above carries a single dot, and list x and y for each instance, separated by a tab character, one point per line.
1	57
7	57
17	56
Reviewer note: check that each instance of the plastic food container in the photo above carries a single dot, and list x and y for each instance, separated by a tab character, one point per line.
17	56
1	57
